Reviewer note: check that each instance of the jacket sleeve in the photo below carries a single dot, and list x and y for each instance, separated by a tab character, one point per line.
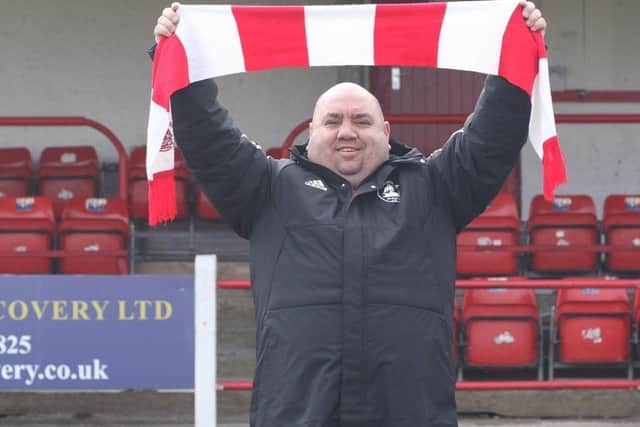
232	170
476	160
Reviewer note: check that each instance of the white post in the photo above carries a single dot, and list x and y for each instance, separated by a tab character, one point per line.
205	341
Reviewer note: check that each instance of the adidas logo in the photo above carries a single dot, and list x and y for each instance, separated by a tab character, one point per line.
316	183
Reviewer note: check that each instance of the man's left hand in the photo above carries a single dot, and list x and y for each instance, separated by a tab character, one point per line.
533	16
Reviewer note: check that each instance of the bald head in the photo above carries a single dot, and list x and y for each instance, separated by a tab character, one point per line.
342	89
348	134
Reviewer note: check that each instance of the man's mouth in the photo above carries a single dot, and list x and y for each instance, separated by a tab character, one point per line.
348	149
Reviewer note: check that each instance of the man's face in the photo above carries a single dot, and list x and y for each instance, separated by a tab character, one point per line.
348	134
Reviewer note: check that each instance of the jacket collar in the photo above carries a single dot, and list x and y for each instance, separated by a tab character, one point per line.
399	154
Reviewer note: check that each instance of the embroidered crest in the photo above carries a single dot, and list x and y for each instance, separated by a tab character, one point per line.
389	192
167	141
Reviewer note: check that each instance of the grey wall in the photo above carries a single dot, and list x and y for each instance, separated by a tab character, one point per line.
87	57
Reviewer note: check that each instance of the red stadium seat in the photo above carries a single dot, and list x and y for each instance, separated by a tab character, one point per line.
204	208
497	226
621	226
501	328
277	153
636	321
138	189
27	224
94	225
65	173
15	172
592	325
566	221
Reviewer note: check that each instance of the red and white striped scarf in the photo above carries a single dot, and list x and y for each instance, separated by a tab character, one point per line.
488	37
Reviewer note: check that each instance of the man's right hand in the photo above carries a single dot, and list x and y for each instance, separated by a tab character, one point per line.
167	22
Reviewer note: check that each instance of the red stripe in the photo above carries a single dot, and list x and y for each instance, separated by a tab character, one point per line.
553	167
408	34
519	54
272	36
170	71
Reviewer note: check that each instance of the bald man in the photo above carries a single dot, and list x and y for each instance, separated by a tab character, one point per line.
353	245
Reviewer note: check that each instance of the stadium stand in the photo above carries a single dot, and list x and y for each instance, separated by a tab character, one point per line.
621	226
590	328
566	221
15	172
27	224
497	226
501	329
65	173
94	225
138	190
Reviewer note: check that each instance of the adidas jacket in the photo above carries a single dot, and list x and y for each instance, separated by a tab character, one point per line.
353	290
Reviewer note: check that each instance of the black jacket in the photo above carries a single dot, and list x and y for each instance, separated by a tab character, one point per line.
353	291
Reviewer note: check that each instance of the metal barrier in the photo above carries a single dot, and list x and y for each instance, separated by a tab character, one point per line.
509	283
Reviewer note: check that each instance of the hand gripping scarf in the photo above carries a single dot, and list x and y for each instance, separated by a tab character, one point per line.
488	37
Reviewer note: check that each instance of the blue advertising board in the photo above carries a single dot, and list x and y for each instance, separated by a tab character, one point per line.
96	332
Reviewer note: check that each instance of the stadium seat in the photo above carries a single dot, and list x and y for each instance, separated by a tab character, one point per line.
277	153
94	225
204	208
501	328
636	322
621	226
566	221
65	173
15	172
27	224
591	326
138	189
497	226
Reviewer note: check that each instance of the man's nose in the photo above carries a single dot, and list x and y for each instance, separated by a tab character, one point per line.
346	131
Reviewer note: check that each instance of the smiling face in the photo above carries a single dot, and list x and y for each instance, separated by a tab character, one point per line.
348	134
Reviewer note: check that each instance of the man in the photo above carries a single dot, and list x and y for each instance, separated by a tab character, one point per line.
352	247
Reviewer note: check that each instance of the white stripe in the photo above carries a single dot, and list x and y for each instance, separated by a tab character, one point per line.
211	40
340	35
157	161
542	125
471	35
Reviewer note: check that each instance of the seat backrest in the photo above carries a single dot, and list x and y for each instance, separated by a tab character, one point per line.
499	296
561	205
502	206
69	161
26	213
14	160
95	214
591	295
617	204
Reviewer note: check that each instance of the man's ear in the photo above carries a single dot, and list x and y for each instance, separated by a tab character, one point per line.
387	128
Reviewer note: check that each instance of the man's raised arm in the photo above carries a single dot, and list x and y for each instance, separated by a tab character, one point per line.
477	159
232	170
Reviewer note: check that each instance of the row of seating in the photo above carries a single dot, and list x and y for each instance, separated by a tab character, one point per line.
590	327
66	173
564	231
92	225
562	234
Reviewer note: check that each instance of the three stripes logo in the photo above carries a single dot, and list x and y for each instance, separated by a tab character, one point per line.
316	183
